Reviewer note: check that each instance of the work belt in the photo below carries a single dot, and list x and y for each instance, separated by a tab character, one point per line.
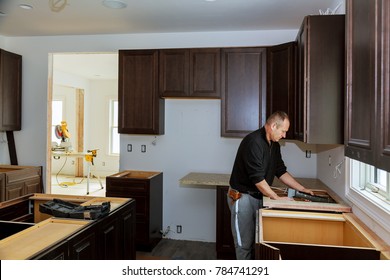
235	195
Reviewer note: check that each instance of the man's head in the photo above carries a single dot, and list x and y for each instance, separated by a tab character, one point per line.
277	126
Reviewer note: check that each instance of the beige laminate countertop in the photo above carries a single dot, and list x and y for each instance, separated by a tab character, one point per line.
218	179
206	179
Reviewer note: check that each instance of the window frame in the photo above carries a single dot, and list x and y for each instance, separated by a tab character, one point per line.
373	204
113	124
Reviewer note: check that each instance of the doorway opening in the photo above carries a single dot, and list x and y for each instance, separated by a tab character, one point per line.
81	128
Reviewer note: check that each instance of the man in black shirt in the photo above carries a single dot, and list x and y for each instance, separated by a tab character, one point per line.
257	162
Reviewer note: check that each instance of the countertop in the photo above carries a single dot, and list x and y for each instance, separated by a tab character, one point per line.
206	179
218	179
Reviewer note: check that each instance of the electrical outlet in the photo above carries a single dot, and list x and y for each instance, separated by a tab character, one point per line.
143	148
129	148
330	160
178	228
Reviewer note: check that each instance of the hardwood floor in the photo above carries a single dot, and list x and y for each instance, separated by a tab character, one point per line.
170	249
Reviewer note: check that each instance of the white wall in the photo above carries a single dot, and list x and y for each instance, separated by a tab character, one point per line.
192	142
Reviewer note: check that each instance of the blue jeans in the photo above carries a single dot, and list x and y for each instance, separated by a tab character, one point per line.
243	223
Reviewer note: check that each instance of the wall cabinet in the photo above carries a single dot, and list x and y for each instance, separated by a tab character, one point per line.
146	188
243	90
320	96
189	73
140	109
10	91
281	82
367	101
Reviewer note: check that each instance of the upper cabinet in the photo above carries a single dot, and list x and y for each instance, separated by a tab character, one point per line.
319	117
191	73
10	91
368	64
243	90
141	110
281	82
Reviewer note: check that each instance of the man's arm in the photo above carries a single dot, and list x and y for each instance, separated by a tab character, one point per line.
267	191
287	179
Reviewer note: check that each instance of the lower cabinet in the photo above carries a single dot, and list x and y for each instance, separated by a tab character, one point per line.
145	187
224	241
297	235
111	237
16	181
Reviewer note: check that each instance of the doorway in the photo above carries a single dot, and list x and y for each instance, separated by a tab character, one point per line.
83	91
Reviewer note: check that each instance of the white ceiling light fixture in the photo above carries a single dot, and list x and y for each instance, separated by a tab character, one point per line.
26	6
57	5
114	4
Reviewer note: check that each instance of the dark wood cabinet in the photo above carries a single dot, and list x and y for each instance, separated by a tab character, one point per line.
190	73
146	188
224	241
243	90
367	101
10	91
110	237
141	110
281	81
319	103
17	181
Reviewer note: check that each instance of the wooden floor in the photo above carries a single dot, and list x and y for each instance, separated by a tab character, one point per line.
170	249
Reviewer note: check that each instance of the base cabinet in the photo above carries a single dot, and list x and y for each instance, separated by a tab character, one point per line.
224	241
145	188
108	238
296	235
16	181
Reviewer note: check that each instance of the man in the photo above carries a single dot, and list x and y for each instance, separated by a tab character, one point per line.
257	162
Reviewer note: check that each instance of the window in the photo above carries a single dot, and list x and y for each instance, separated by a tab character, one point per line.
114	135
57	117
370	181
369	190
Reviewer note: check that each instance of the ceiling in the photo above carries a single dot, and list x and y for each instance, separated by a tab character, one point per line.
81	17
78	17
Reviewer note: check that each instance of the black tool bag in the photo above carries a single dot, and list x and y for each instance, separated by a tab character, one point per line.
64	209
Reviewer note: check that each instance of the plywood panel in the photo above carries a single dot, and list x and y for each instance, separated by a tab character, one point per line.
303	231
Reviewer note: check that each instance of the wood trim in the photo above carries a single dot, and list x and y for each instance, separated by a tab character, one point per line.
79	172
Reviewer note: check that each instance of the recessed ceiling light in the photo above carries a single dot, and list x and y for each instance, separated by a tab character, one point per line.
26	6
114	4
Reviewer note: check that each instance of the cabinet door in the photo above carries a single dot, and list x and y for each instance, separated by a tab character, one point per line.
141	111
243	90
10	91
174	72
110	239
322	59
205	73
361	80
127	227
281	71
383	100
14	190
82	246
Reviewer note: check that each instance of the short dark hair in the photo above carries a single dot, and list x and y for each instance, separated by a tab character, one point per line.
278	117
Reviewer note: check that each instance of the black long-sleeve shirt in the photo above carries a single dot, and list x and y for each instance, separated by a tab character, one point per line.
255	161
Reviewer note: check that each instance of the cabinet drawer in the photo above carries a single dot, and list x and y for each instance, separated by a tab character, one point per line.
127	187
